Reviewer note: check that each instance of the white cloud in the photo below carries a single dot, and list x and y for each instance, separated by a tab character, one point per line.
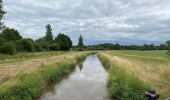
121	20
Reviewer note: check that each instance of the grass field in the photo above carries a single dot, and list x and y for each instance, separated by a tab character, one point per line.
152	67
140	70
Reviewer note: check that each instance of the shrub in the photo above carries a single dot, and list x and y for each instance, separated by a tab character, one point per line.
38	47
25	45
54	47
1	40
8	48
44	44
11	34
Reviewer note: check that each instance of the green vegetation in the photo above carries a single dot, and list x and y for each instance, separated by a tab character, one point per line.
151	67
8	48
64	42
2	12
168	42
80	44
49	35
121	84
109	46
28	86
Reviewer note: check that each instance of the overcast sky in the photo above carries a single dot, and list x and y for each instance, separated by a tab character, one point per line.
99	21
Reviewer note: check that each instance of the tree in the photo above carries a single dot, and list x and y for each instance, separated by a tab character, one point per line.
1	14
80	44
25	45
168	46
8	48
1	40
117	46
10	35
64	42
49	35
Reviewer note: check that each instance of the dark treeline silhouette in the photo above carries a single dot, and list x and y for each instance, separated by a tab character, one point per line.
12	42
109	46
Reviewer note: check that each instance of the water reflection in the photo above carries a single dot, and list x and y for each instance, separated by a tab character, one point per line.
88	82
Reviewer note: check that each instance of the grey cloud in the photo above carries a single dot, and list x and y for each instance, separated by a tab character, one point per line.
121	20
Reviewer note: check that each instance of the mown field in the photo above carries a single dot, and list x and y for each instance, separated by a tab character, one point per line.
151	67
24	76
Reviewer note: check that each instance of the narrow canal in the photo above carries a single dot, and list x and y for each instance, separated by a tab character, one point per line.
87	82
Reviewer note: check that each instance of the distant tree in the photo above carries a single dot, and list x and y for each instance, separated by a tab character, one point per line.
117	46
37	46
168	46
49	35
2	12
54	47
25	45
162	47
64	42
1	40
10	35
80	44
8	48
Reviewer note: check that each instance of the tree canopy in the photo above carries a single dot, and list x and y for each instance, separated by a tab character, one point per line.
2	12
80	44
10	35
64	42
49	35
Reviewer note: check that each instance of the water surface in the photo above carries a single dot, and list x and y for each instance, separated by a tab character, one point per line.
87	82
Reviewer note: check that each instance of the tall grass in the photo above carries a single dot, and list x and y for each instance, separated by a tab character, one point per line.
122	85
149	68
28	86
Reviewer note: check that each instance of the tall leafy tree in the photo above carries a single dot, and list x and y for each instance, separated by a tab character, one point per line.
10	35
64	42
49	35
2	12
80	44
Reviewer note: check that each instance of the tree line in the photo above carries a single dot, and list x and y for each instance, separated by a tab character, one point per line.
12	42
117	46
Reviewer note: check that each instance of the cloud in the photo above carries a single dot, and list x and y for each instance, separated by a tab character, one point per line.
96	20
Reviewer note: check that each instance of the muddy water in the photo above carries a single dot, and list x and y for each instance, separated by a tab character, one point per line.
87	82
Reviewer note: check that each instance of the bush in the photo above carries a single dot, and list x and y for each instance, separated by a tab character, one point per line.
44	44
25	45
54	47
8	48
10	35
1	40
38	47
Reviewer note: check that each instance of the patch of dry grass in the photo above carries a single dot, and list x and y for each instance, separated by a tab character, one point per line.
10	70
153	72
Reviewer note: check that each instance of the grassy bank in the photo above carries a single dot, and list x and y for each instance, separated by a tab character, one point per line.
26	56
151	67
121	84
27	86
